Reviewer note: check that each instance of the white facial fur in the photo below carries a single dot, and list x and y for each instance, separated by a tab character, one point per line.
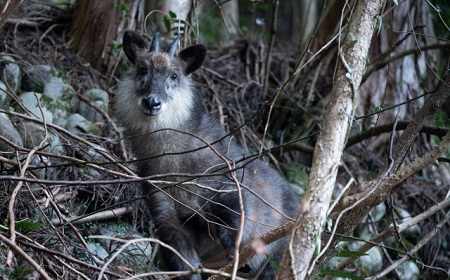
174	112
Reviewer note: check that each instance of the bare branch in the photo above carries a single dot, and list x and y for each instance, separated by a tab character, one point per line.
8	9
249	251
12	201
414	250
390	231
400	150
423	115
17	249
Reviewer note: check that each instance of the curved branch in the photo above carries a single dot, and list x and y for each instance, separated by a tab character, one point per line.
380	64
414	250
420	119
389	183
28	259
377	130
390	231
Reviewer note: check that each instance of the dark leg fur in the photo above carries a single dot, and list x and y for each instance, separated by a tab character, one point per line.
268	271
177	239
171	232
230	220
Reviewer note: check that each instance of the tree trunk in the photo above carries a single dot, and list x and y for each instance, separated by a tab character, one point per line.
328	150
98	26
404	78
7	9
230	11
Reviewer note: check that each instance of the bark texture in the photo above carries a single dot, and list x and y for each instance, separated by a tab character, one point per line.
97	24
331	142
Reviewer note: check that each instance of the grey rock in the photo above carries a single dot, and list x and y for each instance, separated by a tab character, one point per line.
98	250
4	96
408	271
366	233
57	96
33	133
378	212
333	262
100	98
402	216
372	262
137	253
44	172
33	102
79	125
12	72
35	77
57	89
8	131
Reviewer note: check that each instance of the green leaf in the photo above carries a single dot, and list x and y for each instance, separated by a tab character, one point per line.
340	273
272	263
25	225
351	254
167	24
263	6
21	272
377	109
379	24
123	8
329	224
318	245
441	118
172	14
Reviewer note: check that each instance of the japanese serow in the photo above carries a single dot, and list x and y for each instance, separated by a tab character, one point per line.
196	205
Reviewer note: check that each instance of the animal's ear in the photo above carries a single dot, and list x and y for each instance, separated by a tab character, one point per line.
193	56
133	43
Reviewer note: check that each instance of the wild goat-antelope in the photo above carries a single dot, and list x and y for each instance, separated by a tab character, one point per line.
196	206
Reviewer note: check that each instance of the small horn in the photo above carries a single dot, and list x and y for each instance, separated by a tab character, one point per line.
155	43
173	46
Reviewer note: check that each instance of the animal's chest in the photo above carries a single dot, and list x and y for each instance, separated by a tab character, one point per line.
173	153
183	165
190	198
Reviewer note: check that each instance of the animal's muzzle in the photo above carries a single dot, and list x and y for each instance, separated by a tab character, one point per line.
151	105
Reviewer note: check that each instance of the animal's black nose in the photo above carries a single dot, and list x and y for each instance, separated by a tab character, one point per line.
151	105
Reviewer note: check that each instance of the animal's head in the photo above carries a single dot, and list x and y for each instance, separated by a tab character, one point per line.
157	90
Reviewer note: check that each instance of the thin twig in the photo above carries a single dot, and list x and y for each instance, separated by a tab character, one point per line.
15	192
416	248
273	31
28	259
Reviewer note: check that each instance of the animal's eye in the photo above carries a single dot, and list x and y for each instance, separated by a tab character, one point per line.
174	76
142	70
